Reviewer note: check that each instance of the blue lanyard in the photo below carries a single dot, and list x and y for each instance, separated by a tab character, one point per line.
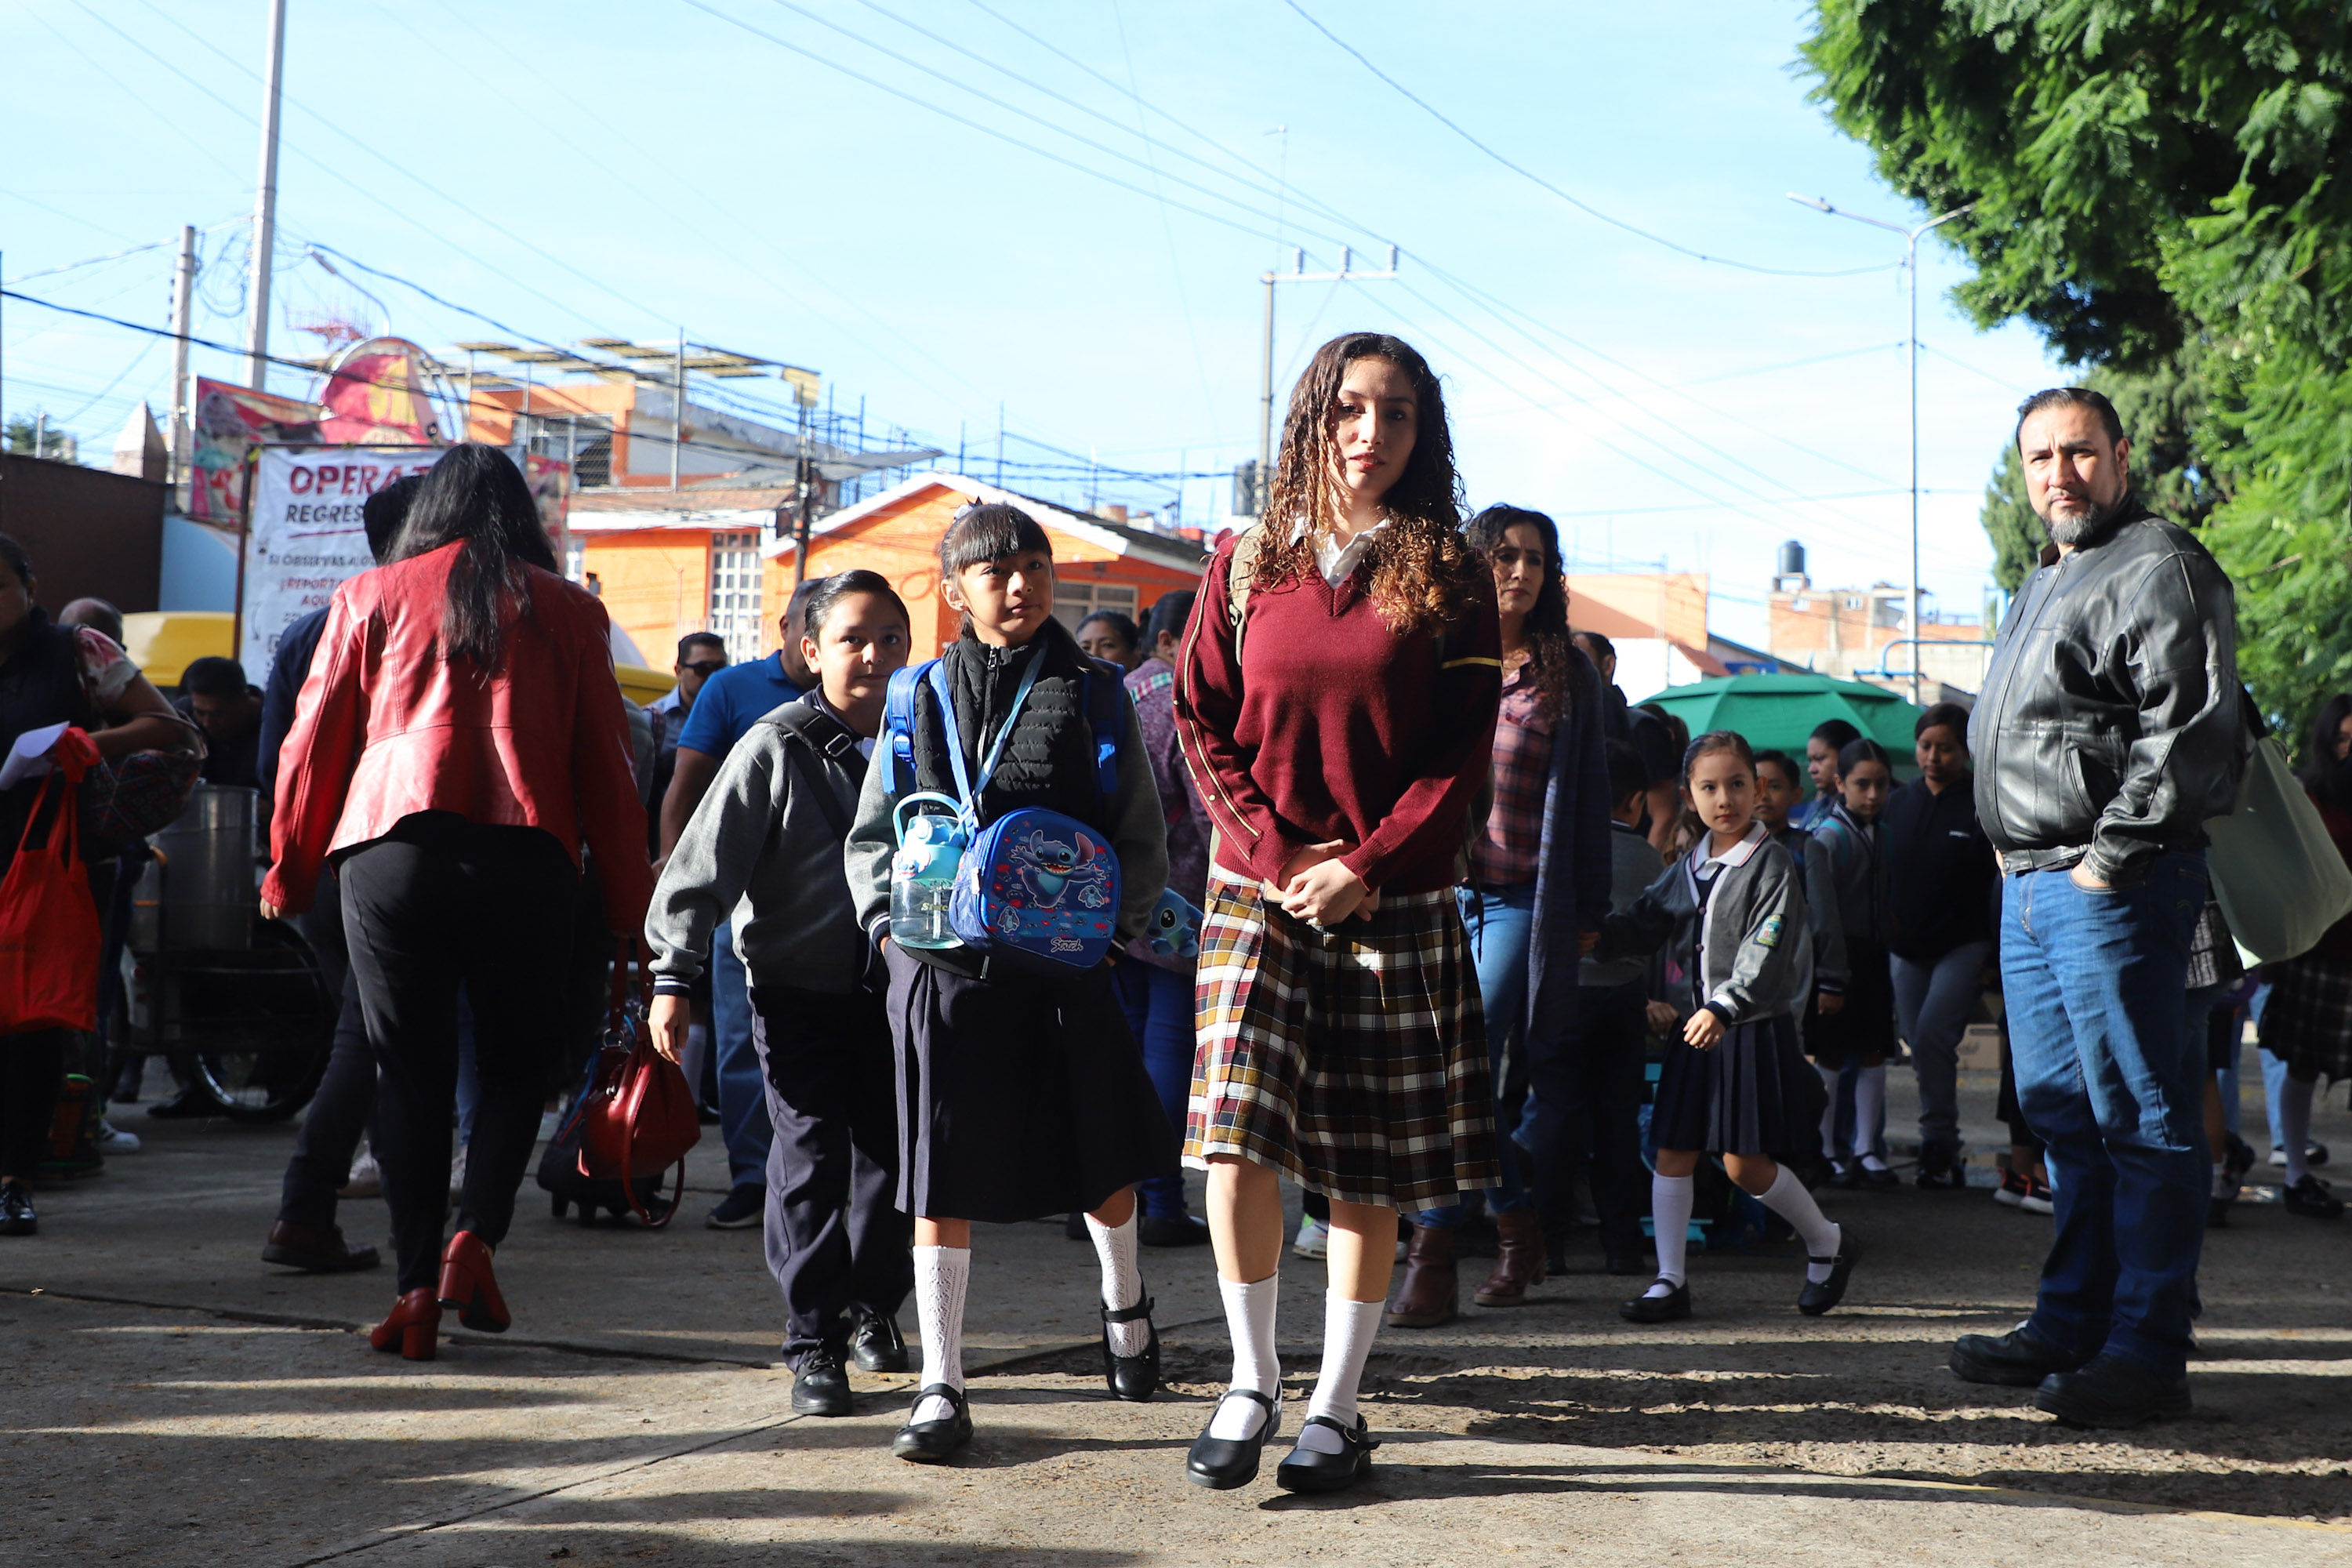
965	788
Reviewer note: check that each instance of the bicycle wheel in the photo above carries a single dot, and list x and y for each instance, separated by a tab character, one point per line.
257	1027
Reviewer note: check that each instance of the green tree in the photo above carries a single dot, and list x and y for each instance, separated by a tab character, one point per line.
2156	192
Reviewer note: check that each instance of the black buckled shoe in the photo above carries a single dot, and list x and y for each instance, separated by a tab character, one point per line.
876	1345
935	1442
2109	1390
1675	1303
1133	1377
1306	1470
1220	1464
1816	1298
17	1216
2018	1358
821	1384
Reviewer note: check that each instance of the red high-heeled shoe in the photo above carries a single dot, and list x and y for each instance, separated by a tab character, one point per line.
412	1329
469	1287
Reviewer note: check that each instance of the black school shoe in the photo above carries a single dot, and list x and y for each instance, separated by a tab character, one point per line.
821	1384
1308	1471
2112	1392
1173	1231
876	1343
1816	1298
1675	1303
2311	1199
17	1216
935	1442
1131	1377
1220	1464
2018	1358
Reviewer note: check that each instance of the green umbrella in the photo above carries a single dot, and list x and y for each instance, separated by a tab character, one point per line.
1778	713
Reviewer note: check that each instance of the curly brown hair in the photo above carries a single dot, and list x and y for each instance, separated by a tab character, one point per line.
1551	655
1423	571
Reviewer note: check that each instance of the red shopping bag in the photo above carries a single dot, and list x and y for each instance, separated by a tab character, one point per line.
640	1117
48	922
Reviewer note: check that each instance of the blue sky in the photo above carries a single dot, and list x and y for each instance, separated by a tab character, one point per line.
598	168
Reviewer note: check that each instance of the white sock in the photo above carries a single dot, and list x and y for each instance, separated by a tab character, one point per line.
1249	1321
1869	1114
941	1275
2221	1185
1787	1198
2294	1125
1670	1209
1829	1116
1348	1330
1122	1281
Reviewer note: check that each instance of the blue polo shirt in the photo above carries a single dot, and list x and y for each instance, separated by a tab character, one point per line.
734	699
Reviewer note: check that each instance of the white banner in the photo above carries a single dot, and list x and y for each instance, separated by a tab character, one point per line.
307	534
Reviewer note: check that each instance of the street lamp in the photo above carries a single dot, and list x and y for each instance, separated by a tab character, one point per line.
1911	265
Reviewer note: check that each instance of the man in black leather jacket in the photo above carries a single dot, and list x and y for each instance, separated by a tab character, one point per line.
2108	733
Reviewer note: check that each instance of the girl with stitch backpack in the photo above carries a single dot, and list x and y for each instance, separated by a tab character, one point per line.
1022	1093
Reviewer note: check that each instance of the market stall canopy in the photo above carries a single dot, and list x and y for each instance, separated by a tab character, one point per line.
1778	713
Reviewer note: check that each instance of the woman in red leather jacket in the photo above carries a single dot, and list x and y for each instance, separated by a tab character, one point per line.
459	737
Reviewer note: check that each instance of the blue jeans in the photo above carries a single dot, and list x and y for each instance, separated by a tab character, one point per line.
1159	1006
744	1122
2106	1076
1501	922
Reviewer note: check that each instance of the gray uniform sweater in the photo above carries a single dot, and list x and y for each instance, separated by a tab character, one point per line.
1846	877
1753	950
762	849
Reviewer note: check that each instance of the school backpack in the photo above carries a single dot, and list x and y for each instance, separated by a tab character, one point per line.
1035	888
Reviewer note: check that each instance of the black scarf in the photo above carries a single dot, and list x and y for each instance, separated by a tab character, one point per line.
1050	759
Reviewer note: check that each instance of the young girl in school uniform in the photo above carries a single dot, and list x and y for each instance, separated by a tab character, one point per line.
1020	1095
1336	702
1734	1083
1854	1002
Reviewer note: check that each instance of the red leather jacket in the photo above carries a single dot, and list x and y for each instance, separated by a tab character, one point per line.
384	727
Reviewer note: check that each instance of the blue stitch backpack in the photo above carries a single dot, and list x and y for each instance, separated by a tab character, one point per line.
1035	888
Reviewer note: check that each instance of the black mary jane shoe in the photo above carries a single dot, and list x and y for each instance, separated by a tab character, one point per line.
935	1442
821	1384
1309	1470
1220	1464
1816	1298
1133	1377
1675	1303
876	1343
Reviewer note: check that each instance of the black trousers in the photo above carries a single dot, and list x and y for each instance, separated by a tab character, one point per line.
835	1240
437	904
339	1111
32	1070
1587	1092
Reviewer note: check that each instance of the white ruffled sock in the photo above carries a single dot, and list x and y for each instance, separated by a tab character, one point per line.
1122	1281
1787	1198
1348	1330
942	1275
1249	1319
1670	1209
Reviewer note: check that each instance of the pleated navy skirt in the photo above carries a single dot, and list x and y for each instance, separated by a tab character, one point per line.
1753	1092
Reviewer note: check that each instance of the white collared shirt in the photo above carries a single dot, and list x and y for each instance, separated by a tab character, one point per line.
1337	561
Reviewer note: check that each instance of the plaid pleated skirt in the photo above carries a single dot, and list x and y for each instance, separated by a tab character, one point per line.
2307	1023
1352	1060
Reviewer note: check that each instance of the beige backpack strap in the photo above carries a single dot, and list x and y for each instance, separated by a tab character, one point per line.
1241	577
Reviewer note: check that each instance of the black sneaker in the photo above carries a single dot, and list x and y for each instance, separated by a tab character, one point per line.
2310	1198
2109	1390
17	1216
2018	1358
877	1344
741	1209
821	1384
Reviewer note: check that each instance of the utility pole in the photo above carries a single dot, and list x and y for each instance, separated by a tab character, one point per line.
183	288
1348	272
803	470
678	425
265	208
1911	269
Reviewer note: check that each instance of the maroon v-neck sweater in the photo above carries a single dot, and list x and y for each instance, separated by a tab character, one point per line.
1330	726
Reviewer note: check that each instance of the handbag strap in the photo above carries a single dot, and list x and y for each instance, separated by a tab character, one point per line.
616	1020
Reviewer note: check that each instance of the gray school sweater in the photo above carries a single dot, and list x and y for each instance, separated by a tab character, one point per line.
1753	951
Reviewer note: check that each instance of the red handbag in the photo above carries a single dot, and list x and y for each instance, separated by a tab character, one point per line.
640	1116
48	922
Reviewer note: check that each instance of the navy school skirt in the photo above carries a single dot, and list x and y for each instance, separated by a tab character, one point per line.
1752	1093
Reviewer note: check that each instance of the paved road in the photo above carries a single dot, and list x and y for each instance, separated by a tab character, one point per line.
172	1400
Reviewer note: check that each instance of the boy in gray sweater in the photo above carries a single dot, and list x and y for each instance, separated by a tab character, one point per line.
764	847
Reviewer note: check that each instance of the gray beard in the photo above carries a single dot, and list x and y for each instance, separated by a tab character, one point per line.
2087	525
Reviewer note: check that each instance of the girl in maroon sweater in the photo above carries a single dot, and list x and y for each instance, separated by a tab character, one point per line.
1339	728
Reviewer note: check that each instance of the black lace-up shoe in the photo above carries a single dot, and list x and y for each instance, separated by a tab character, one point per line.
876	1345
2018	1358
2112	1392
821	1384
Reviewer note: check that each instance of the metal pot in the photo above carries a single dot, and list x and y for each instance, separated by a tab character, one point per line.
211	875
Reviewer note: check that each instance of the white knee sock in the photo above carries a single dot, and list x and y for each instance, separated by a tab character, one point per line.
1869	1114
1829	1115
941	1275
2294	1125
1122	1281
1670	1211
1787	1198
1249	1319
1348	1330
